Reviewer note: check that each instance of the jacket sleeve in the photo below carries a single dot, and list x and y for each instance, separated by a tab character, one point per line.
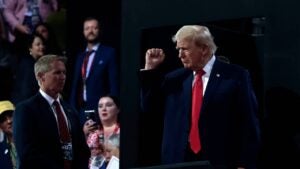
250	133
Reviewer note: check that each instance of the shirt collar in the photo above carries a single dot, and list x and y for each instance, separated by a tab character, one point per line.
49	99
95	47
208	67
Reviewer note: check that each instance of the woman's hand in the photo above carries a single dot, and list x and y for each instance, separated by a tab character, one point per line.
88	127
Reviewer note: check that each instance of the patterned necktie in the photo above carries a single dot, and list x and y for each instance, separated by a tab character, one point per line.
197	96
62	123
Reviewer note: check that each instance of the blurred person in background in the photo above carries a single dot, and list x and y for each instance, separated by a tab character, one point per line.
96	71
22	16
47	33
112	148
25	84
8	154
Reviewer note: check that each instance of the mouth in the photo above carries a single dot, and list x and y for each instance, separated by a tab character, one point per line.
104	114
184	62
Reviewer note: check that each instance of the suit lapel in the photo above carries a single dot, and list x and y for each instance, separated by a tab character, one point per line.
48	115
187	91
214	80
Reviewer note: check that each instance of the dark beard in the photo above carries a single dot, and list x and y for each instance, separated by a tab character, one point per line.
96	40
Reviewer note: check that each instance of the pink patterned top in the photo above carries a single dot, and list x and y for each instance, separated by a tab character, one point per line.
96	140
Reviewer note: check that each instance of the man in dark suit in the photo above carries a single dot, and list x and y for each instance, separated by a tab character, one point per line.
226	132
96	71
47	131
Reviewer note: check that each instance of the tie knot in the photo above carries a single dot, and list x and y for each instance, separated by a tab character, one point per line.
90	52
55	103
200	72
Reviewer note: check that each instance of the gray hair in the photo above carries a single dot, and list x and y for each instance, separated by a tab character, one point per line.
43	64
199	34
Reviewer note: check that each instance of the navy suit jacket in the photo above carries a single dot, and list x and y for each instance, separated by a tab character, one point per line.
37	139
5	159
228	124
102	80
25	84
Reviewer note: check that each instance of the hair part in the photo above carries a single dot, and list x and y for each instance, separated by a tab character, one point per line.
199	34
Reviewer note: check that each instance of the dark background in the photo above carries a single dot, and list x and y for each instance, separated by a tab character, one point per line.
273	59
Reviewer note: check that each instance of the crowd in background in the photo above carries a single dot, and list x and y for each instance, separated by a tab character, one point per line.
20	22
29	32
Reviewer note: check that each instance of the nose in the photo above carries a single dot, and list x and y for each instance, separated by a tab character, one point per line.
8	119
63	75
180	53
104	108
43	47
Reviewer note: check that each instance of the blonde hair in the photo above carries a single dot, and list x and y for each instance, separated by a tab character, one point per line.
199	34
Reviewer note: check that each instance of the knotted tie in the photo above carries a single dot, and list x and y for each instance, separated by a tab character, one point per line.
63	130
197	97
83	75
62	123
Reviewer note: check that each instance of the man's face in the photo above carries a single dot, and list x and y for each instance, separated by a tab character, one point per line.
91	30
6	122
53	81
191	55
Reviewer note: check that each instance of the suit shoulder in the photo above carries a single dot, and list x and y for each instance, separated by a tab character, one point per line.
231	67
27	105
28	101
108	48
67	105
177	76
178	73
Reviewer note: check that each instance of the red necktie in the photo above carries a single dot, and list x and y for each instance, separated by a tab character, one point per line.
62	124
85	63
83	75
63	130
197	96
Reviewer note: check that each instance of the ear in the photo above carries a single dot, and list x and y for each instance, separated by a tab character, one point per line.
205	49
40	76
